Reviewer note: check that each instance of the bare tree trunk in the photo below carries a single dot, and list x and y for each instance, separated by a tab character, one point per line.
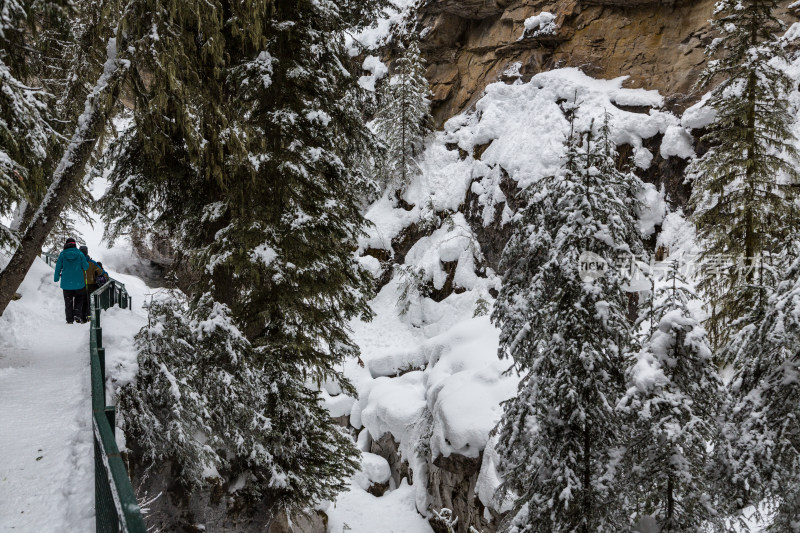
70	171
588	510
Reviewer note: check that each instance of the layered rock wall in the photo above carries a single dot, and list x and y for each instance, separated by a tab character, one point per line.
471	43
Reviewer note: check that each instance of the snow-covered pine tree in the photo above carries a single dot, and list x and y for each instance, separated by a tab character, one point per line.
743	204
49	52
68	159
287	226
760	455
204	400
258	120
568	336
403	119
672	403
71	52
26	134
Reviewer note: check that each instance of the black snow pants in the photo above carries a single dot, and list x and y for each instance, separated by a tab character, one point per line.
73	304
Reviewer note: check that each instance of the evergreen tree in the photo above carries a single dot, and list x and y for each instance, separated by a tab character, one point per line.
26	133
760	457
673	401
70	57
567	335
48	43
71	156
70	54
249	106
742	198
403	119
204	399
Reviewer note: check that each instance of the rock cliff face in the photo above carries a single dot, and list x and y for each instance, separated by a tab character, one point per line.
471	43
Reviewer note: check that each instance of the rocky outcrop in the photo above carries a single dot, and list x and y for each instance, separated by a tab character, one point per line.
388	448
316	522
493	236
451	482
629	3
469	9
451	485
471	43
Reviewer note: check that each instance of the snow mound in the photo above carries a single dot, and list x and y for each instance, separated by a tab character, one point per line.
520	129
466	387
699	115
374	469
357	511
377	70
538	25
677	142
526	126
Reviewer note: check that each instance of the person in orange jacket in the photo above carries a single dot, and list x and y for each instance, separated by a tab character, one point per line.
91	274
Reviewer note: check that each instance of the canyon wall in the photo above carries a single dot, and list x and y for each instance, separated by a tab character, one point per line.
471	43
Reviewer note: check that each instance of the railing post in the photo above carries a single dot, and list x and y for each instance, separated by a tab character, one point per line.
96	310
101	355
111	414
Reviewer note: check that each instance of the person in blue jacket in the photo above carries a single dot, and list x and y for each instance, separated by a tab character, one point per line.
70	268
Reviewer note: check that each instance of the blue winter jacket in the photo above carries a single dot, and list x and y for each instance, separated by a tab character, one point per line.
70	266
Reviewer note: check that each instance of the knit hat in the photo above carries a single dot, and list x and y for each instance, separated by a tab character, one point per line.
70	241
84	249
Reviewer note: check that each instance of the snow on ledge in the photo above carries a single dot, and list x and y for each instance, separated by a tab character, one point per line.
699	115
526	126
677	142
539	25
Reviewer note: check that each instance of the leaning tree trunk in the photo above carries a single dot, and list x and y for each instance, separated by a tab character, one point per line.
70	171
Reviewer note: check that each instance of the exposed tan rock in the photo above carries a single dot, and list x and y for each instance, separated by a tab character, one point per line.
469	9
628	3
658	44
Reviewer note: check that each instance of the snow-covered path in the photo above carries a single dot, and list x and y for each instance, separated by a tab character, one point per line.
46	454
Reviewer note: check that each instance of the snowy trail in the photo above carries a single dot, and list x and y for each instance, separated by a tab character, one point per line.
46	454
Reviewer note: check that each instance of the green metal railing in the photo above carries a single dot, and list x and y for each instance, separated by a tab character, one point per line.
50	259
116	508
